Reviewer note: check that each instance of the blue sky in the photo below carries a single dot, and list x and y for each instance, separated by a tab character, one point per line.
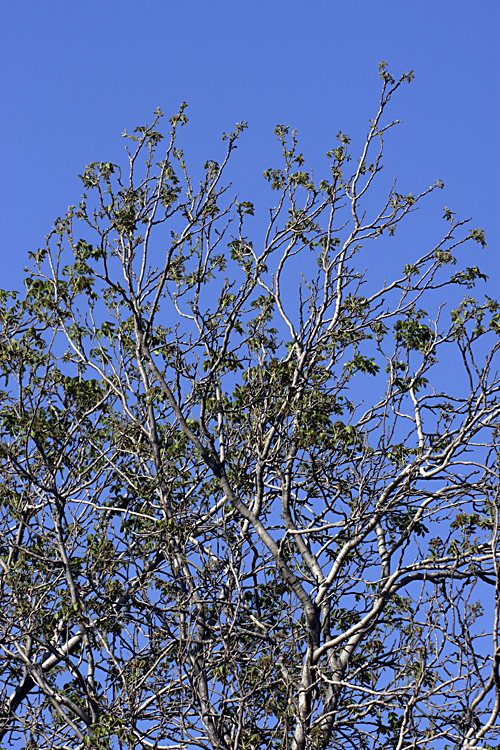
75	74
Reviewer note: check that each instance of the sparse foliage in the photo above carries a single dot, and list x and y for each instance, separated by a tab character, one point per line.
250	500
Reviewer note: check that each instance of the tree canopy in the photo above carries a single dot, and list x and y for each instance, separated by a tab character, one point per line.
250	494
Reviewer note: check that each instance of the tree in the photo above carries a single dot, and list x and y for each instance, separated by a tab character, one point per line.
238	517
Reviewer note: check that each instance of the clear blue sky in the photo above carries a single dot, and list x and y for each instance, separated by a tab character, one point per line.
75	74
